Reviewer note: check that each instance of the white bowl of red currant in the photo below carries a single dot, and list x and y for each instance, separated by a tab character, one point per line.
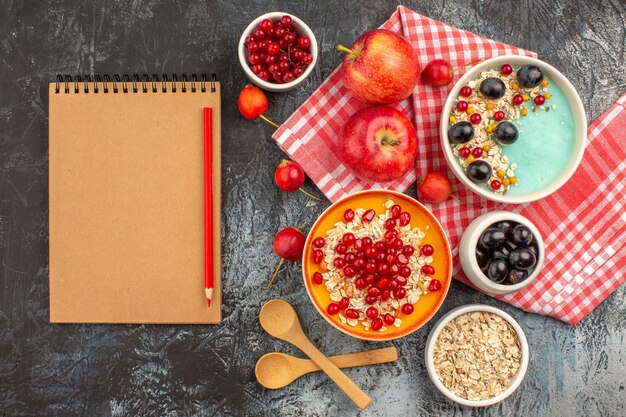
501	252
277	51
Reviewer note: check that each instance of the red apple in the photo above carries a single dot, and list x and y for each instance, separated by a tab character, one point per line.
381	67
378	143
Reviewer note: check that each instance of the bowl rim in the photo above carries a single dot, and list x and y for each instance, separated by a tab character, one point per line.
475	229
408	330
241	51
451	315
578	113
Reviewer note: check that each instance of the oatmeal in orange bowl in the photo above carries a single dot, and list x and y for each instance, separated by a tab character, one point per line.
377	265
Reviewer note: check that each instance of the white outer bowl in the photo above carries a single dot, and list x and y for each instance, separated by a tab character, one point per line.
467	249
580	125
451	315
301	28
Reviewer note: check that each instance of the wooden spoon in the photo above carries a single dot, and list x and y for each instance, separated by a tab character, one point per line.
280	320
277	370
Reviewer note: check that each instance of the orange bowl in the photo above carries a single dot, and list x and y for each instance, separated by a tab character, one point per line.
426	306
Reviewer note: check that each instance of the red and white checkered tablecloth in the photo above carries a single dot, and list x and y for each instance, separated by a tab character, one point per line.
583	224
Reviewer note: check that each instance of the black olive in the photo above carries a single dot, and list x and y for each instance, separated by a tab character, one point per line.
522	259
479	171
460	132
521	235
501	253
492	238
492	87
497	270
482	257
506	226
506	133
515	277
529	76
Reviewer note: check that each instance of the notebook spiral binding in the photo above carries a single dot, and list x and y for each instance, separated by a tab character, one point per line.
135	85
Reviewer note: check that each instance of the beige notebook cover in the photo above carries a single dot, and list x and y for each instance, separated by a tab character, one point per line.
126	202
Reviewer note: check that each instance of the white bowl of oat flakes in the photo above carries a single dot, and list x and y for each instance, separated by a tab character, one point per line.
477	355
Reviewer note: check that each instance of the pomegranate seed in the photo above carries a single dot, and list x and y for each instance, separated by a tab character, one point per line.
398	244
408	250
360	283
344	303
349	271
402	259
395	211
495	184
518	99
352	314
435	285
427	250
318	256
348	239
393	284
377	324
389	319
319	242
370	279
401	281
390	251
339	263
360	254
358	244
405	271
461	106
367	242
391	233
428	270
465	152
382	283
371	312
317	278
407	308
371	252
477	152
499	115
348	215
390	223
286	21
332	309
380	246
359	263
405	218
475	118
399	293
386	294
370	299
341	248
350	258
368	216
373	291
394	270
465	91
506	69
370	267
539	100
390	260
382	269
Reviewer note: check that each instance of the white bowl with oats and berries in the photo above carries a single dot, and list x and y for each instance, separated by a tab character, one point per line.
513	129
377	265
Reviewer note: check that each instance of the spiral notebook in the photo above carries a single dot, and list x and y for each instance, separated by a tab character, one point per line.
126	199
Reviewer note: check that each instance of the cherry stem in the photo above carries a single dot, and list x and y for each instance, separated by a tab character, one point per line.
282	261
352	52
262	117
460	200
466	65
310	195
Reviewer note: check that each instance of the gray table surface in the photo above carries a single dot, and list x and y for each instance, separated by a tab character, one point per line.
123	370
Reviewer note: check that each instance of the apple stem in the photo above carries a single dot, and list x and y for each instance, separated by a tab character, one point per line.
282	260
466	65
262	117
352	52
310	195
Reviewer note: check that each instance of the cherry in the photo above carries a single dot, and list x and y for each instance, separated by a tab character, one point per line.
289	175
286	21
332	309
317	278
466	91
288	245
368	216
477	152
435	187
395	211
399	293
319	242
499	115
405	218
318	256
435	285
464	152
340	263
462	106
407	309
475	118
390	223
539	100
360	283
518	99
405	271
348	215
252	103
506	69
371	312
427	250
341	249
438	73
377	324
389	319
428	270
304	42
408	250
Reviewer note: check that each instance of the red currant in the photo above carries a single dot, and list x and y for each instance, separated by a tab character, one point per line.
250	39
464	152
253	46
304	42
298	71
435	285
264	75
495	184
307	59
465	91
279	32
286	21
499	115
272	48
461	106
407	309
317	278
539	100
289	77
254	59
506	69
290	38
427	250
518	99
477	152
258	33
332	309
475	118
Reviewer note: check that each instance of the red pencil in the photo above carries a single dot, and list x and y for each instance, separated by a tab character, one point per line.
208	204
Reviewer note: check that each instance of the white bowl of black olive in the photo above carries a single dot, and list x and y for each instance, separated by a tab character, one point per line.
501	252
